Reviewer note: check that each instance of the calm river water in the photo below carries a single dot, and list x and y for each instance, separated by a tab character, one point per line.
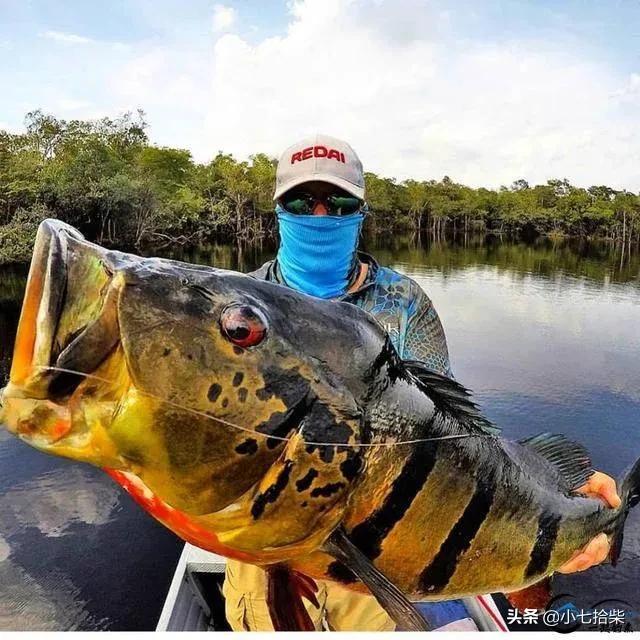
546	334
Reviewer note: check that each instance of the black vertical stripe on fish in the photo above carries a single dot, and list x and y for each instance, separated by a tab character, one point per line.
370	533
436	575
548	525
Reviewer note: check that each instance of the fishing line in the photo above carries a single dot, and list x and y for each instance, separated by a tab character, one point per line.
202	414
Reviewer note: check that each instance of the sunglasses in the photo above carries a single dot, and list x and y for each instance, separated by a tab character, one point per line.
304	203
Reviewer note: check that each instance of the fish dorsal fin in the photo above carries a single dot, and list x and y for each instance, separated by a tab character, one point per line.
450	397
570	458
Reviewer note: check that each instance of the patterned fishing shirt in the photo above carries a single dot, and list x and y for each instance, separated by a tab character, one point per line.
399	305
409	317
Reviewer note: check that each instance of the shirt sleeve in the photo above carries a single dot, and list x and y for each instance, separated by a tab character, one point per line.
425	339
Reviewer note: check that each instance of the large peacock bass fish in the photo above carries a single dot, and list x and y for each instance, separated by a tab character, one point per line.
284	431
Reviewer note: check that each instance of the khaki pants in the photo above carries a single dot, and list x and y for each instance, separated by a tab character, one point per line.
340	609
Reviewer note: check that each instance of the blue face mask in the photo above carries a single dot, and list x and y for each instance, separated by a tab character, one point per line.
317	253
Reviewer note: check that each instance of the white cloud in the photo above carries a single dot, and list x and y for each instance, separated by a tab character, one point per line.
393	77
171	86
67	38
631	90
78	498
11	128
72	104
414	102
5	549
223	18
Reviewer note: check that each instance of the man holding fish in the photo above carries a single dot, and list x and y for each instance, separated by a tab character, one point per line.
291	432
320	196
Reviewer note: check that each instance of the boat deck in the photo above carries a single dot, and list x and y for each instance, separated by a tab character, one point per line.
195	601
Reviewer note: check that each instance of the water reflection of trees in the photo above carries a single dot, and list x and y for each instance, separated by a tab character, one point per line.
598	261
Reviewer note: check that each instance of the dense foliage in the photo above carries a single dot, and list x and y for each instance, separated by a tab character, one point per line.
107	179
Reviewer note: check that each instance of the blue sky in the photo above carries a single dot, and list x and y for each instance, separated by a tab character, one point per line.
485	91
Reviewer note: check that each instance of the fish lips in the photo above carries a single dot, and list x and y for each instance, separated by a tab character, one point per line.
42	305
42	367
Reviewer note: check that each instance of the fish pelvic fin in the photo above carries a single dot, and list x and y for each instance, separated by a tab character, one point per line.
570	459
630	493
390	598
450	398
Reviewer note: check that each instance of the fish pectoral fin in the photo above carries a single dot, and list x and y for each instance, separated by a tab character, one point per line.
390	598
285	590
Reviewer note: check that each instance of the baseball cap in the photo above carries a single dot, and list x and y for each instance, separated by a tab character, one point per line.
321	158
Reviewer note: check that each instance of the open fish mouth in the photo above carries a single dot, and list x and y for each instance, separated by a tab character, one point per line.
41	309
65	332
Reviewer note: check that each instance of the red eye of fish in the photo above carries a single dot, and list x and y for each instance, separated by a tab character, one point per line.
243	325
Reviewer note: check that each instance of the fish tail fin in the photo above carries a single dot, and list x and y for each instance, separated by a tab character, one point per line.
630	494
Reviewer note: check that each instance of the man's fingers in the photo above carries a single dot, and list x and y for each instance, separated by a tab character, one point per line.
608	491
602	486
594	553
579	563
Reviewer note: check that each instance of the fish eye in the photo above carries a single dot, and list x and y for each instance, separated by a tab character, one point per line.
243	325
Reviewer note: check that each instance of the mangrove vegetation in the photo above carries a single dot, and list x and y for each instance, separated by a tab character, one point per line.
108	179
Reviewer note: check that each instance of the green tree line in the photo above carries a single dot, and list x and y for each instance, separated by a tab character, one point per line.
106	178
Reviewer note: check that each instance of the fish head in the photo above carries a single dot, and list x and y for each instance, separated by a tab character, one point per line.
191	378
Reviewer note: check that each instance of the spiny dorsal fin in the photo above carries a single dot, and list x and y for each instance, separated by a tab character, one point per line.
450	397
570	458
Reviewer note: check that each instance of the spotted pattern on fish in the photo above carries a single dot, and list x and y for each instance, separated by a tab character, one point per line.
272	493
322	426
249	447
280	424
352	465
305	482
237	379
548	526
327	490
214	392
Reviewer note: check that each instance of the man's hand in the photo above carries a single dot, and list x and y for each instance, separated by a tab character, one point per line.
600	486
